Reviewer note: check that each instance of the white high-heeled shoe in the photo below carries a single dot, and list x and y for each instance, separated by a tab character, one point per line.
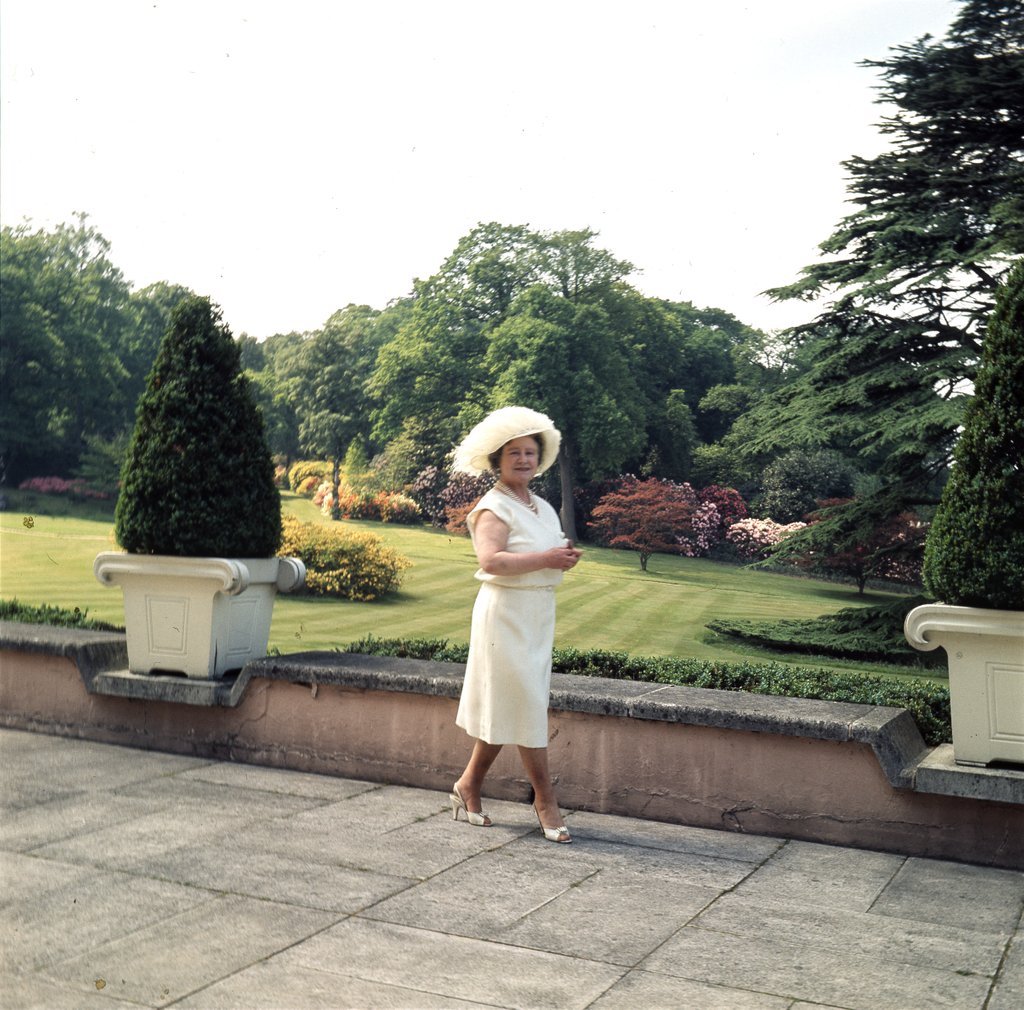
559	834
479	820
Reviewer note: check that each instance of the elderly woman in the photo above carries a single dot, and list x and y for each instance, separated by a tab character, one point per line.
522	554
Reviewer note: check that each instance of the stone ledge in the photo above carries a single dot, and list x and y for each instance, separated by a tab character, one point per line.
890	732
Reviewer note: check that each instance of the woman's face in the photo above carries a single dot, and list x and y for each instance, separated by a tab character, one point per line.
519	460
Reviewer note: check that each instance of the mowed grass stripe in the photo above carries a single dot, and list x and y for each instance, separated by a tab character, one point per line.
607	602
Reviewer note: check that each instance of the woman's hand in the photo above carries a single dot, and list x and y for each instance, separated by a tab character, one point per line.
562	558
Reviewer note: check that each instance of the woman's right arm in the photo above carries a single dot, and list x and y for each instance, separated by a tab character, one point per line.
490	537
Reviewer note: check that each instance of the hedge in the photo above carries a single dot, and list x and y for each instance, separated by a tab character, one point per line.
927	703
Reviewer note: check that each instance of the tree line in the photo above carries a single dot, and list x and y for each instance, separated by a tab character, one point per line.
863	403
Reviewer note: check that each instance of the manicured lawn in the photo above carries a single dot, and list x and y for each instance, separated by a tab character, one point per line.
607	602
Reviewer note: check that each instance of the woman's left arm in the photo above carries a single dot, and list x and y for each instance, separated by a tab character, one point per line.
490	537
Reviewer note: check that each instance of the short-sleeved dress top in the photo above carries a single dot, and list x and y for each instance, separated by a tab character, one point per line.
508	673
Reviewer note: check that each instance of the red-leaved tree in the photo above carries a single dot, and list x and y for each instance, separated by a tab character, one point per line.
890	550
646	516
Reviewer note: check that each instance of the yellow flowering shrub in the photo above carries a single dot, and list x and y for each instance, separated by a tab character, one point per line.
352	564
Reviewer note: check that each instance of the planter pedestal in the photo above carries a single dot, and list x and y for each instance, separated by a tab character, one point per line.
197	616
985	653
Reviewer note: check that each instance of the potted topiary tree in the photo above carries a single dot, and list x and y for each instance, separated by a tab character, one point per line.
974	554
198	513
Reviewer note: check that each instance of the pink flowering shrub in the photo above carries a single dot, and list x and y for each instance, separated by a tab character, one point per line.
76	488
731	506
703	532
753	538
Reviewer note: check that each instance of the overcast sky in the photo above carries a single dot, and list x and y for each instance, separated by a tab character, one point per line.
288	158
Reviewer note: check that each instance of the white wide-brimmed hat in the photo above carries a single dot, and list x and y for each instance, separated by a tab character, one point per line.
499	427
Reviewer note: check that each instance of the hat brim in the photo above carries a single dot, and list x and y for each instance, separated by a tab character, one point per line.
501	426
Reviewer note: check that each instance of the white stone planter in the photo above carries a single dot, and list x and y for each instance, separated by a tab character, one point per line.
985	653
197	616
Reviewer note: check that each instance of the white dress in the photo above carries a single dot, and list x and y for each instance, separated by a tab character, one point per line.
508	673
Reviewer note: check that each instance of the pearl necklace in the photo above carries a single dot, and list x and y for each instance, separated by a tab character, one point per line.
527	501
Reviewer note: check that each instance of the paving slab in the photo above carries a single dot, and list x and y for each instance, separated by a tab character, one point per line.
901	940
133	878
88	765
64	921
675	837
1008	992
824	875
615	916
652	991
279	780
26	878
279	983
424	960
971	897
21	992
161	963
130	845
273	876
56	818
799	971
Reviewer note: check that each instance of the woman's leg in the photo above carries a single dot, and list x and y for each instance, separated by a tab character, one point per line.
535	761
472	779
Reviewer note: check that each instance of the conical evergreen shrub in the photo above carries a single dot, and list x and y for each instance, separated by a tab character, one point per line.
198	479
974	555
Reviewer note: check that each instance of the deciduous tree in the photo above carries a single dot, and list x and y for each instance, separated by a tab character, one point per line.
646	516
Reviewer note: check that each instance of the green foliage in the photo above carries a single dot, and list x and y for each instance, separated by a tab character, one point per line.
62	325
300	472
58	617
198	479
927	703
911	274
975	549
795	482
871	633
334	367
352	564
439	650
101	462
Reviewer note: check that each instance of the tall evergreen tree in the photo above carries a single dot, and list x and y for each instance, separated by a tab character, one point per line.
975	550
913	270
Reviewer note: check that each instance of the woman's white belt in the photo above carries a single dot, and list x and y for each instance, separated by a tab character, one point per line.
505	585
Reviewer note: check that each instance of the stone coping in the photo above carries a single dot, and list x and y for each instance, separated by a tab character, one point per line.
891	733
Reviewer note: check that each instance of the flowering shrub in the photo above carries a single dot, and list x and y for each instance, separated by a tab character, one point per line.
892	549
352	564
308	474
731	506
385	506
76	488
457	518
702	532
395	507
753	538
460	495
323	496
426	490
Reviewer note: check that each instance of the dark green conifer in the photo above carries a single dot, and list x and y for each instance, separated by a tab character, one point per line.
198	479
975	550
